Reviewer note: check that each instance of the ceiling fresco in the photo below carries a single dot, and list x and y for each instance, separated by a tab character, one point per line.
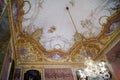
39	34
58	24
64	30
59	33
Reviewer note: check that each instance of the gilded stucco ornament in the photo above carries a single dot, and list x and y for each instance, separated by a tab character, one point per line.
78	37
85	50
27	49
96	45
31	55
37	34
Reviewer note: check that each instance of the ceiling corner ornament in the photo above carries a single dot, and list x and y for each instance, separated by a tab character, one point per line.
84	50
28	49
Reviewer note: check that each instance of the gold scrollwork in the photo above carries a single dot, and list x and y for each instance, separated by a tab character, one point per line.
29	6
27	50
85	50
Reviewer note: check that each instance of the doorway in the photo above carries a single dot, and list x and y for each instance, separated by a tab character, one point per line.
32	75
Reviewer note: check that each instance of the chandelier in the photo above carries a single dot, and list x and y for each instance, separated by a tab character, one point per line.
94	71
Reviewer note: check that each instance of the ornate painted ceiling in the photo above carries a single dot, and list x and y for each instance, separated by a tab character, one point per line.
60	32
64	30
60	23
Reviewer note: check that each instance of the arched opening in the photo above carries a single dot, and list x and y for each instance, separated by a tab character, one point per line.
32	75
